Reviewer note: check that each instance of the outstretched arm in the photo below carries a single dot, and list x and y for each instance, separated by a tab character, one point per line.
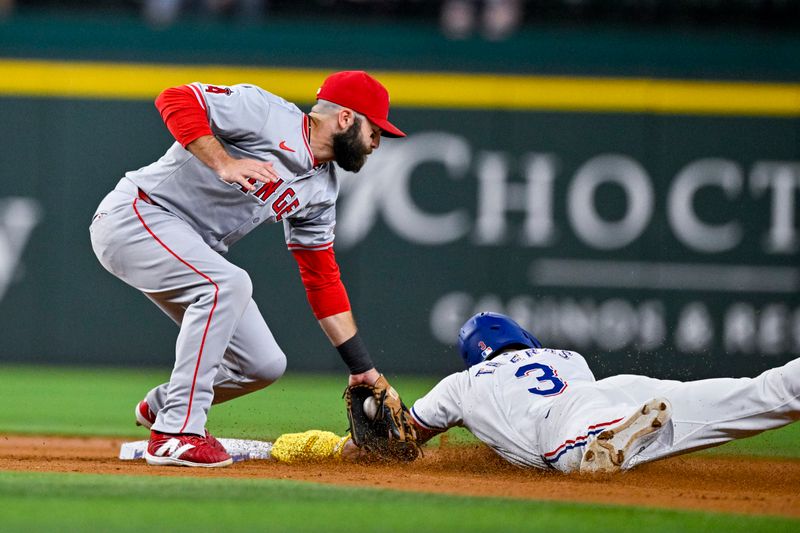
183	110
341	331
440	409
330	304
425	434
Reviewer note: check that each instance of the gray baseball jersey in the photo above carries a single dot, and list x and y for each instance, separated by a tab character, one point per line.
253	123
168	244
540	407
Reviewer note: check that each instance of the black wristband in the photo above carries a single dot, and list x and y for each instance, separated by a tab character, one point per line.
355	355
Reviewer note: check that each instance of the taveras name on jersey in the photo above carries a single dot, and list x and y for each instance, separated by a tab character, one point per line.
502	400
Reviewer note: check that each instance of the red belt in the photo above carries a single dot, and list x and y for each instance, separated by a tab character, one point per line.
143	196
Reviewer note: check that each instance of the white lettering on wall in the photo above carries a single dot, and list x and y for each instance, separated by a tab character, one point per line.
695	330
589	226
385	190
784	181
619	324
688	227
740	328
496	197
18	218
612	324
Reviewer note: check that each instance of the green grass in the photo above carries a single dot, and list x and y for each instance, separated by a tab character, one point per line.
71	502
86	401
76	401
56	400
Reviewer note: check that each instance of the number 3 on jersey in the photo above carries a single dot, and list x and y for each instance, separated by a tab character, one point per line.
549	382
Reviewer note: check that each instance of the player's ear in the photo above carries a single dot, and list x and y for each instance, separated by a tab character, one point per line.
345	118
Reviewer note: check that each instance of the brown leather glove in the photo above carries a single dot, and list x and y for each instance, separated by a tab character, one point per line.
379	421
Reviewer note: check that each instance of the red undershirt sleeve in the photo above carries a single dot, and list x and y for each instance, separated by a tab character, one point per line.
183	111
324	288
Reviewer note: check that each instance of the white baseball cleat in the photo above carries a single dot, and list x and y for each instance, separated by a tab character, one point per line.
613	448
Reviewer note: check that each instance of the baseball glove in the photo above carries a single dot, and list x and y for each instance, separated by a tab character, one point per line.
380	423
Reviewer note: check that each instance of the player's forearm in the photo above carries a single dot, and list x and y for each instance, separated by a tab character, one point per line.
343	334
245	172
339	327
425	434
210	152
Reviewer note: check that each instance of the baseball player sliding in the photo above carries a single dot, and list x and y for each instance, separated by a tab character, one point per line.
542	408
243	157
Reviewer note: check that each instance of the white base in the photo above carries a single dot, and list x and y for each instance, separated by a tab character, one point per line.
239	449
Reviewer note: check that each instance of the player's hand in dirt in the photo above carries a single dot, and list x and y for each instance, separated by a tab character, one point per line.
351	452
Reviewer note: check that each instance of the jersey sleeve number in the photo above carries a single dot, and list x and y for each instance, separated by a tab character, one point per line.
213	89
549	384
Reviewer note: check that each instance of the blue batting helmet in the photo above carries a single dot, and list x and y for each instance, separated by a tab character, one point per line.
488	333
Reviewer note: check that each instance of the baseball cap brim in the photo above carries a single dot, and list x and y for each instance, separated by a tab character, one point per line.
387	128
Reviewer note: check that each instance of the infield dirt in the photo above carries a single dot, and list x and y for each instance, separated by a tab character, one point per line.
697	482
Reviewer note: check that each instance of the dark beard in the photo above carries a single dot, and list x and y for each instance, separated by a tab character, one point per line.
348	149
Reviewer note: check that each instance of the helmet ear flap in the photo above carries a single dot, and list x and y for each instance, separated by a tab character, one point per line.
534	341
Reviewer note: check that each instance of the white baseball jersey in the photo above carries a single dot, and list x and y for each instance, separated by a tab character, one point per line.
541	407
253	123
500	400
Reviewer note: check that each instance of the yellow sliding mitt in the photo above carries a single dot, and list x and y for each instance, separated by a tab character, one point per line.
309	447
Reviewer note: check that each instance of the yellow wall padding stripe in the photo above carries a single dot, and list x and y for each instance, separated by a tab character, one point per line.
124	81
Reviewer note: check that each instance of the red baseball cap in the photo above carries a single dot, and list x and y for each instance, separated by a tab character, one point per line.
360	92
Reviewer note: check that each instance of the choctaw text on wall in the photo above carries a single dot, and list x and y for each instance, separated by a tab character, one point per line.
608	252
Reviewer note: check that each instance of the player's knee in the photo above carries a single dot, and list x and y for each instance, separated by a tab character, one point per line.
791	376
238	287
271	371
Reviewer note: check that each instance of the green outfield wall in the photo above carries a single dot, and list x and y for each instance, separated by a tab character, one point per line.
641	214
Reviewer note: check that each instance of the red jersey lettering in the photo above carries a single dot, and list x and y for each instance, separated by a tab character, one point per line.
282	206
267	189
251	181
